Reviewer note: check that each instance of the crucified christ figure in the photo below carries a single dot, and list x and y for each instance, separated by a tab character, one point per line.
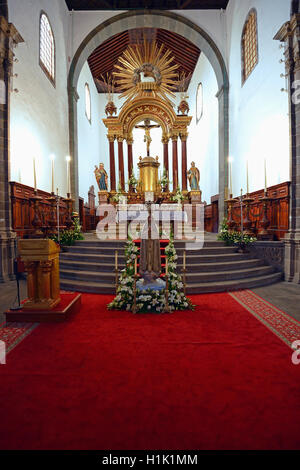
147	138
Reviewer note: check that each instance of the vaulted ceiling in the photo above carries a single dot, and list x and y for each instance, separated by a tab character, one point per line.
146	4
104	58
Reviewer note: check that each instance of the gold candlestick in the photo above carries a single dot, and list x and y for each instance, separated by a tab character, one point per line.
116	270
184	272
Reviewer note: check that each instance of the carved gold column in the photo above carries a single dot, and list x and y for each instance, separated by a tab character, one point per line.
165	141
121	162
183	137
175	161
112	168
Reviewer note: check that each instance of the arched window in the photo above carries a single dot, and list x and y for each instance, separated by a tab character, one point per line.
88	107
199	102
47	48
249	45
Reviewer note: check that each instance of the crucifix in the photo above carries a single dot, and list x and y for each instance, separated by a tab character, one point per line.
147	138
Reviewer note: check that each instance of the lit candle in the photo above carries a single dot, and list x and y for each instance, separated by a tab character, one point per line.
116	259
52	157
34	174
68	176
266	176
230	175
247	178
184	259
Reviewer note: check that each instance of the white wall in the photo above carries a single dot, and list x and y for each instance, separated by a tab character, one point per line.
258	112
39	112
92	143
203	141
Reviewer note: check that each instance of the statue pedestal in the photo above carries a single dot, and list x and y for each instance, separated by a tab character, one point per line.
41	260
102	197
195	196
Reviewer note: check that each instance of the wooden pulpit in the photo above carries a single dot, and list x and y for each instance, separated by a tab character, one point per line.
41	261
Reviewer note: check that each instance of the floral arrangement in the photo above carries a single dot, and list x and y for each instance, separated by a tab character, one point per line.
242	240
164	182
119	194
69	237
132	182
148	300
178	196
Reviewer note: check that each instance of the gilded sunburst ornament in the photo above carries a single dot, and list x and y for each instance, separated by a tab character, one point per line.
146	70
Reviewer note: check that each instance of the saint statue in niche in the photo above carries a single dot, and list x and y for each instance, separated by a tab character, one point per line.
101	177
194	177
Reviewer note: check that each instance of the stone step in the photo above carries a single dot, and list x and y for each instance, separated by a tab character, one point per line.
192	278
224	286
196	277
108	265
191	258
239	284
110	249
121	243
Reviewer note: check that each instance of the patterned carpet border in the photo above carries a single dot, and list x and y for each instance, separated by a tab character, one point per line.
13	333
280	323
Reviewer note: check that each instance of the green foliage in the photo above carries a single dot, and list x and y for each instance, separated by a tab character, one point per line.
119	194
148	300
225	235
69	237
234	237
132	181
164	182
178	196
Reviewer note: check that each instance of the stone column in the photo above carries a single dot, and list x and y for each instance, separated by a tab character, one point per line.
289	34
112	169
222	96
73	137
184	137
165	141
121	162
130	157
9	38
175	161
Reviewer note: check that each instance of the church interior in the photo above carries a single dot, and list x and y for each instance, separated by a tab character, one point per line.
150	225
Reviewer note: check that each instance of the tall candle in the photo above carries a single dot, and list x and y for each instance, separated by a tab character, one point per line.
34	174
230	178
247	178
68	175
52	173
266	176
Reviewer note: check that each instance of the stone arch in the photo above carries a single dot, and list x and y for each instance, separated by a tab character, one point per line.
171	22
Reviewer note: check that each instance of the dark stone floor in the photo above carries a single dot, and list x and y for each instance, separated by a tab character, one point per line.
283	295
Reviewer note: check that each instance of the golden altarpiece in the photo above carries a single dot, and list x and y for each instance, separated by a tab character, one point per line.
147	77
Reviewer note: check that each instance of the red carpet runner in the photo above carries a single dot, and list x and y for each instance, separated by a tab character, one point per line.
216	378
